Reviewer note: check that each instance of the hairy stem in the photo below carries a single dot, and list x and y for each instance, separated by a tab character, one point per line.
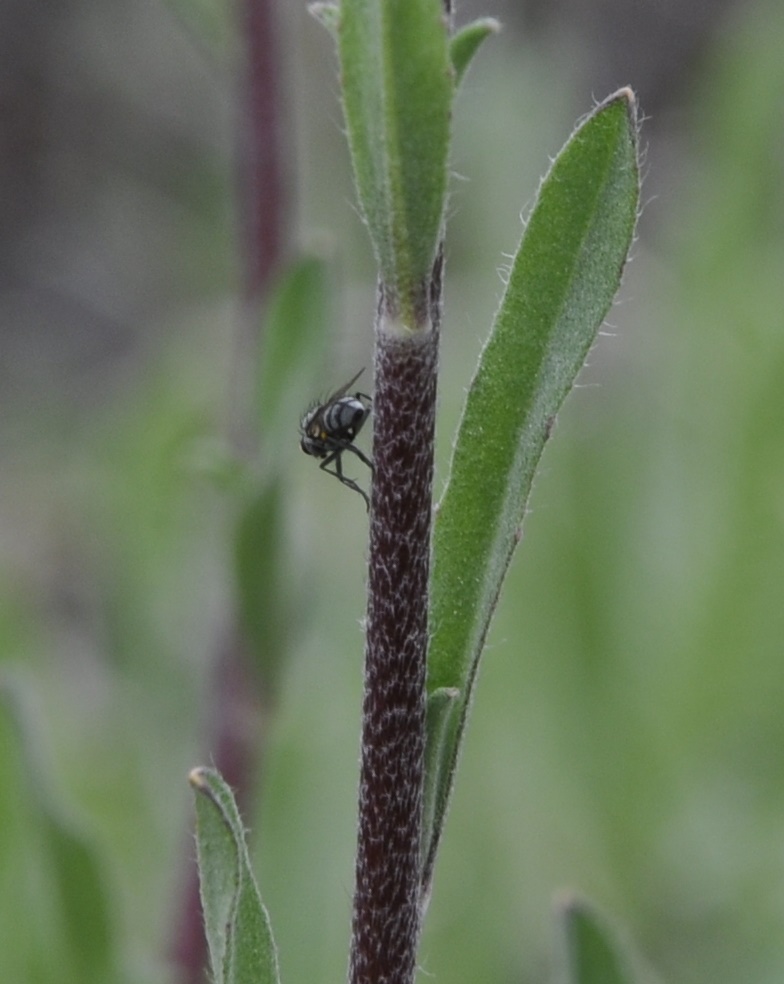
388	867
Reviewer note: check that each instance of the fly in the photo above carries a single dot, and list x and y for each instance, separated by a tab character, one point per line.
328	429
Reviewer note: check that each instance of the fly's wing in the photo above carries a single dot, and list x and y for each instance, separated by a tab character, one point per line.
344	389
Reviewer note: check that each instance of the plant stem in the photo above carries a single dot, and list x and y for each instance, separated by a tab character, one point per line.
387	913
243	704
265	202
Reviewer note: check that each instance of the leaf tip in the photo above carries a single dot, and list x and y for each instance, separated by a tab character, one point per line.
592	949
198	778
626	92
327	14
623	95
466	42
566	901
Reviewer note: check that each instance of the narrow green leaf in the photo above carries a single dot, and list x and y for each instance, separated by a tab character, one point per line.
208	23
588	950
53	872
295	336
561	285
441	706
361	78
262	595
239	935
82	899
465	43
397	91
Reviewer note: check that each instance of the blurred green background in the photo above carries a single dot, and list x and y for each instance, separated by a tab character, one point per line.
628	733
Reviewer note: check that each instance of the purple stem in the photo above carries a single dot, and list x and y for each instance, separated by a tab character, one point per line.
264	202
386	919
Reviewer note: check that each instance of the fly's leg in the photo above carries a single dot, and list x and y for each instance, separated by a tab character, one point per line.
360	455
334	459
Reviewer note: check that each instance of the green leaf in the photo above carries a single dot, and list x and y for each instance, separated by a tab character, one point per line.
397	91
239	936
295	336
465	43
441	706
82	899
588	951
561	285
262	595
208	22
52	870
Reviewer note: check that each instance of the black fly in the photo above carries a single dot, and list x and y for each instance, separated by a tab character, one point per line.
328	429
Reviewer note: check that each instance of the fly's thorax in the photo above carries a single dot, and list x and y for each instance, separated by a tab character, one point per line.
344	417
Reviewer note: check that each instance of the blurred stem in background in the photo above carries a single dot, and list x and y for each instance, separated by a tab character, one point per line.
242	692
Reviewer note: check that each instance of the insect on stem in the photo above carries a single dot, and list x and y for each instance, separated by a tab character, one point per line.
330	428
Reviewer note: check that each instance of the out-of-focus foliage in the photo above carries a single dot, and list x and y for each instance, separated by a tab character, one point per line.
588	949
52	873
627	731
